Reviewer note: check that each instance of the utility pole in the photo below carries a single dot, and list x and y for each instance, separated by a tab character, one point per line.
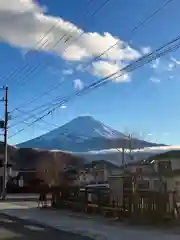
130	145
123	157
5	127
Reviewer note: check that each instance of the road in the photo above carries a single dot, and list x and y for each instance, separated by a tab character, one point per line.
23	197
16	229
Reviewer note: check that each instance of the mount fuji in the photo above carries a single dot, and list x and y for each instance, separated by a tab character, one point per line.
83	134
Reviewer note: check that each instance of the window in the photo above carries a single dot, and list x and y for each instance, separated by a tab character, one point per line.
139	177
143	184
164	166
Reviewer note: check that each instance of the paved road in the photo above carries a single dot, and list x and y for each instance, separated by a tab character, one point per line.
24	197
16	229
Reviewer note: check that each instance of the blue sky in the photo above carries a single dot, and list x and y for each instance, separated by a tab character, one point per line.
146	102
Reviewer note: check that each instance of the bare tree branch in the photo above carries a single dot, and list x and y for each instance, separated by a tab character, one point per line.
51	167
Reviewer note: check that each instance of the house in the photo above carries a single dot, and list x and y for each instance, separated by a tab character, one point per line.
162	168
96	172
167	165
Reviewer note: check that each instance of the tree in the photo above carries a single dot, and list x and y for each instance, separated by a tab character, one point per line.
51	167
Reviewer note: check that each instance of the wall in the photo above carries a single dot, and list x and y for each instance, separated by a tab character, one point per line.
173	183
97	174
116	193
155	183
145	176
175	163
85	177
9	171
146	169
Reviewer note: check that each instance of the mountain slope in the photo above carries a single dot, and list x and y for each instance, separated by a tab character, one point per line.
82	134
85	127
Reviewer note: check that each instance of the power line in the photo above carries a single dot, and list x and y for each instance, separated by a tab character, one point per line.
44	105
31	71
32	116
127	69
44	65
142	23
55	86
81	34
42	108
17	70
134	30
124	69
165	49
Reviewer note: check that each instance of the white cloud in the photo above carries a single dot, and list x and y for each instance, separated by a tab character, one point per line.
104	68
146	50
67	71
23	24
63	106
78	84
155	80
170	67
175	61
155	63
19	6
149	134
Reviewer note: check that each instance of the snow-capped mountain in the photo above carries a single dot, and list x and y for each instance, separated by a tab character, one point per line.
85	127
82	134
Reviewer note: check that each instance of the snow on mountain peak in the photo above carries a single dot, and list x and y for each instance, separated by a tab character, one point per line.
83	132
88	127
83	128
